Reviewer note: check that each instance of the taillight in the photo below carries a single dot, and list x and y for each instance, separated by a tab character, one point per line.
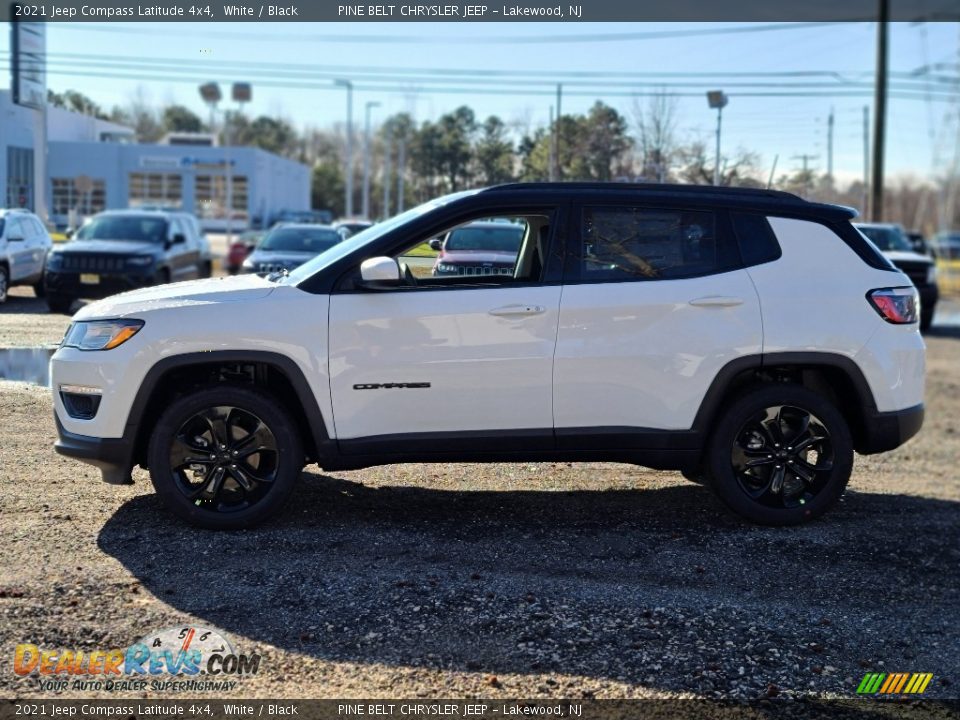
899	306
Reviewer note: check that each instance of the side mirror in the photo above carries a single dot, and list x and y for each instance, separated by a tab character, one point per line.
436	244
379	272
69	232
178	238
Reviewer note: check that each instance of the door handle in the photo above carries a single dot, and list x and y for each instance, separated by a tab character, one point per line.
717	301
518	310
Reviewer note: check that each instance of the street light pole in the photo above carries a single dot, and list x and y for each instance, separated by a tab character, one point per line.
366	158
717	100
349	184
241	93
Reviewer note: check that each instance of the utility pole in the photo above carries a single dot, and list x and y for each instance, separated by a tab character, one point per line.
348	192
366	157
401	168
879	113
387	141
805	158
866	161
552	172
830	145
556	135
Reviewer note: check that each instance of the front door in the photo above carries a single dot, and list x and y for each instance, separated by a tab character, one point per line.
462	352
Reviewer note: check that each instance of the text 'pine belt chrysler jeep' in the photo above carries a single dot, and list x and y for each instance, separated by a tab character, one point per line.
747	338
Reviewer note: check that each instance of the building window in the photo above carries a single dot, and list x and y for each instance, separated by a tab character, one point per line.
211	197
66	197
163	189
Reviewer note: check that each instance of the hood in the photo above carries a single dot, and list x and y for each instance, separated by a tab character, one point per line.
475	257
119	247
896	256
237	288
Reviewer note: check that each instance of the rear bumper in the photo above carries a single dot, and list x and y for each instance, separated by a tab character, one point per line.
888	430
113	456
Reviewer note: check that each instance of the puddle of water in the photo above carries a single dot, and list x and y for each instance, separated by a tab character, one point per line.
30	365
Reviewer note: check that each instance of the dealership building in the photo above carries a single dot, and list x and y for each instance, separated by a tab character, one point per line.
95	165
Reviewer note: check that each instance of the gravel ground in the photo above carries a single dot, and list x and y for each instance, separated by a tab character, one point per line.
545	580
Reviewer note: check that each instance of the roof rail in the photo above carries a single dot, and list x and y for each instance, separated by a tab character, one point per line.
651	187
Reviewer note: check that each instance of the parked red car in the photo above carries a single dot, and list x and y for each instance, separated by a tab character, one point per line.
240	248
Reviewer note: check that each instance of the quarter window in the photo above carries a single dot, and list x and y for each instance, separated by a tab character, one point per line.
632	243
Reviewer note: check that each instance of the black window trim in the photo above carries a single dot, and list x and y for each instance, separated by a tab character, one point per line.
766	218
552	273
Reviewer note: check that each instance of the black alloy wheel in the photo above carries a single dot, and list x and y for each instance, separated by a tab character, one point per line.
225	456
780	455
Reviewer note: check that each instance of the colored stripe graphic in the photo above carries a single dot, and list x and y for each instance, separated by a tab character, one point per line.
894	683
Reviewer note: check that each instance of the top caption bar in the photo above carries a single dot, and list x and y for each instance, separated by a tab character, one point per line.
578	11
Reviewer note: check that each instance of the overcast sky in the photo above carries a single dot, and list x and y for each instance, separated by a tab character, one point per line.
922	131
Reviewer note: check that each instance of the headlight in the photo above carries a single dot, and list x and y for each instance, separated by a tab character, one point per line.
53	260
931	275
142	261
445	268
100	334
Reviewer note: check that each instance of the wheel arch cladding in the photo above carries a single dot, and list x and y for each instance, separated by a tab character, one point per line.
171	377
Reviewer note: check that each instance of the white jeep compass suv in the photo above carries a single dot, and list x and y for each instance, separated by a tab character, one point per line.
747	338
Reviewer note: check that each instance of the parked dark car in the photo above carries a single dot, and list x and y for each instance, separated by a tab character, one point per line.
121	250
918	242
480	248
922	271
288	246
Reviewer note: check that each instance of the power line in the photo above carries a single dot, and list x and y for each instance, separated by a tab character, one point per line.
448	39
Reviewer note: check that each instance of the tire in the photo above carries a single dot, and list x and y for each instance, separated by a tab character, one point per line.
755	430
206	269
39	289
59	303
926	319
218	491
4	283
162	277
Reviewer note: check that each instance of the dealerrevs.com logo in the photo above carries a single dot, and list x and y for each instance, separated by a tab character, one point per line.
171	660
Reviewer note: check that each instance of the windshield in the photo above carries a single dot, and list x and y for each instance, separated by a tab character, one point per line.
124	227
504	239
886	238
364	237
312	240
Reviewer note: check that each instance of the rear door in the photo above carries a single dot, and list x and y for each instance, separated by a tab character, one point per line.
654	304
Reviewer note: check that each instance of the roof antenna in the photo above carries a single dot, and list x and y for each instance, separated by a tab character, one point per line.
773	170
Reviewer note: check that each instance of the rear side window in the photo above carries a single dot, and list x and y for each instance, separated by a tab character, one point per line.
758	243
642	243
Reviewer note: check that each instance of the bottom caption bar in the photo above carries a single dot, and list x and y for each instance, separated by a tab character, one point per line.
467	710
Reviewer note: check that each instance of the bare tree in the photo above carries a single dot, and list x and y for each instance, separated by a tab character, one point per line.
656	127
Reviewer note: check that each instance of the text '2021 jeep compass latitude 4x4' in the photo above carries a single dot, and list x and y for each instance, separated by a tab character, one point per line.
747	338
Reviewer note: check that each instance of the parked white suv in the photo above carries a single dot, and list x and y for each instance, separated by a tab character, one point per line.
24	244
748	338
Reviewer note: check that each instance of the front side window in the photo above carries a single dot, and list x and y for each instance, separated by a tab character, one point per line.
505	248
634	243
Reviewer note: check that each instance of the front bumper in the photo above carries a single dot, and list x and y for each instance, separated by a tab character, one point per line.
68	283
113	456
888	430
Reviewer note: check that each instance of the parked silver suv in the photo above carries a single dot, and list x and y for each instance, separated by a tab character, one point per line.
24	244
